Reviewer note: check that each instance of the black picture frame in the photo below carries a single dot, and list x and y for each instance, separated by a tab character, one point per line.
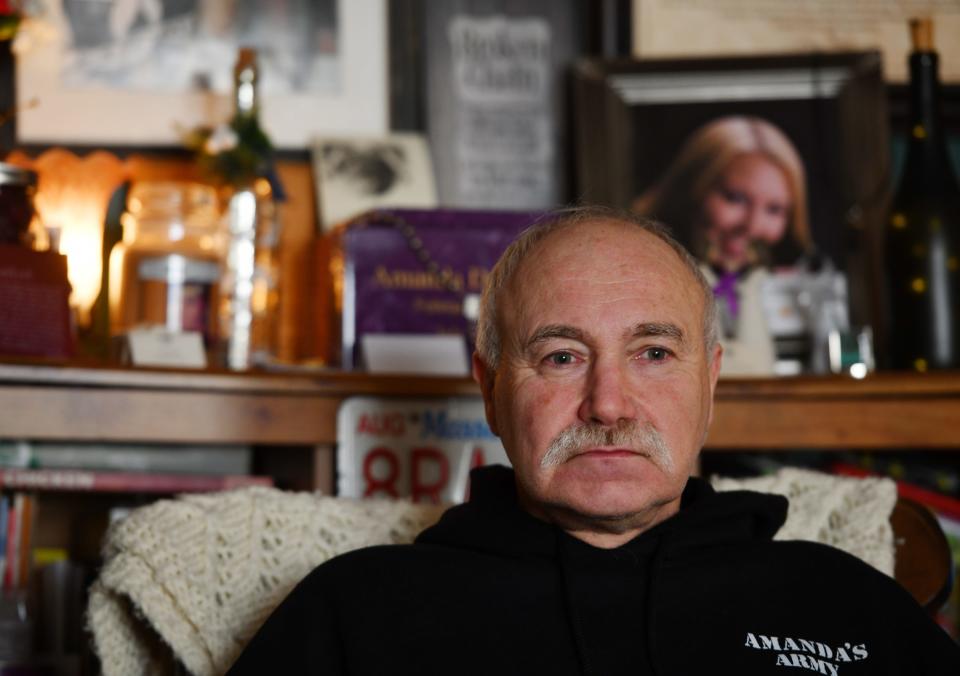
633	116
605	32
594	27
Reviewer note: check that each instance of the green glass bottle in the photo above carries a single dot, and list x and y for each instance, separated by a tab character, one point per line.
922	239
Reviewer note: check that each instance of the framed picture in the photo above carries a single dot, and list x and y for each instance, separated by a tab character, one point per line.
135	74
488	82
676	140
667	28
356	174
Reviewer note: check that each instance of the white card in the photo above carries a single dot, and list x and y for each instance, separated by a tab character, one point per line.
415	353
159	347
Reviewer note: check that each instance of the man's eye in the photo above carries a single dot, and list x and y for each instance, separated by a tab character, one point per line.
656	354
561	358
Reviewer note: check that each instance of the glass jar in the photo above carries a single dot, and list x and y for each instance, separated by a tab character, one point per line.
166	270
17	188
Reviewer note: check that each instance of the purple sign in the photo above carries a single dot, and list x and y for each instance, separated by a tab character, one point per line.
412	271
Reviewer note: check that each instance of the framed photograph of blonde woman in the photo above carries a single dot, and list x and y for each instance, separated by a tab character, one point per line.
766	168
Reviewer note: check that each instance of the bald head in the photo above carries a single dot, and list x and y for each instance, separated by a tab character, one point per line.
524	248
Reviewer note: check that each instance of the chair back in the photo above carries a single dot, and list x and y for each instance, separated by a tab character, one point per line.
924	565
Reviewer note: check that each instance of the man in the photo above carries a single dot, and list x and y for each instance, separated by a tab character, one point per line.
597	357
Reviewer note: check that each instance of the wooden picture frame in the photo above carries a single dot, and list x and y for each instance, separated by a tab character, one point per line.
633	116
641	123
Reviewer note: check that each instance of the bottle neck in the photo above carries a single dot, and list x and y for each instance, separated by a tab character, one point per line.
245	91
925	125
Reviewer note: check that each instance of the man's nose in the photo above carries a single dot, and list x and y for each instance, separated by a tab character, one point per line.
607	398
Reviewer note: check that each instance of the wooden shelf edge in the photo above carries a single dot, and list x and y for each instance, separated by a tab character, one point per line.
883	411
344	383
337	383
885	384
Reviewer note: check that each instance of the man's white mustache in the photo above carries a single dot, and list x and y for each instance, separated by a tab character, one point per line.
629	434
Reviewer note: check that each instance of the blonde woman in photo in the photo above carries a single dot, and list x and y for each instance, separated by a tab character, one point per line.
735	194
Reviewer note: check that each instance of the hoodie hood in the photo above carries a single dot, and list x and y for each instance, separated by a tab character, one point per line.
491	590
494	522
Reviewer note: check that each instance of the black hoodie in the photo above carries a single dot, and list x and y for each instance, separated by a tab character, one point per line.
492	590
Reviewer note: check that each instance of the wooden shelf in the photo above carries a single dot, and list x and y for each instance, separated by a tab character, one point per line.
140	405
40	402
884	411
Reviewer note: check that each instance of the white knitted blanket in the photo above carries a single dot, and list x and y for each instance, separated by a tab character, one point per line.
201	573
848	513
198	575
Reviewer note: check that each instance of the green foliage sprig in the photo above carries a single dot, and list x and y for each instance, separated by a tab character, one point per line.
232	153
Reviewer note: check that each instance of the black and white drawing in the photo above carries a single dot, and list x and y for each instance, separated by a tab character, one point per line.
140	72
357	174
177	45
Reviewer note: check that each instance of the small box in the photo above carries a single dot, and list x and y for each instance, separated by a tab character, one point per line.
34	303
417	271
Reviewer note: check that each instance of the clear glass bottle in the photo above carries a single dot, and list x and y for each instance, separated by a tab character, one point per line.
250	284
922	236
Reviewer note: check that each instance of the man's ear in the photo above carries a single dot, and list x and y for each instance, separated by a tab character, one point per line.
485	378
716	359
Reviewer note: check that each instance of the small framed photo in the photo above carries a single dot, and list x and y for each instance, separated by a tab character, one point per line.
771	170
356	174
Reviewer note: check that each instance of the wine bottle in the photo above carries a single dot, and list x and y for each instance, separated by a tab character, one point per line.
253	149
922	238
250	278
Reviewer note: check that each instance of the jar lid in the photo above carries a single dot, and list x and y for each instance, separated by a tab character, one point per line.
169	198
11	174
177	269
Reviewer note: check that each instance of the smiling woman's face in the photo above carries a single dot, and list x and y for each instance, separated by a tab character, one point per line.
750	202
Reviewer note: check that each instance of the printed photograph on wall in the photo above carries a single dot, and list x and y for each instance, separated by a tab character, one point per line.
139	72
756	167
182	44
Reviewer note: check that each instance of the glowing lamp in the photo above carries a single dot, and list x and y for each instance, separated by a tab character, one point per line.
71	200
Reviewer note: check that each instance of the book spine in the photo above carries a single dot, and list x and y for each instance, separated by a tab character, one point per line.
27	517
11	574
123	482
4	531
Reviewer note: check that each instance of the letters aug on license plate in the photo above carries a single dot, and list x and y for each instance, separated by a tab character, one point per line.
422	449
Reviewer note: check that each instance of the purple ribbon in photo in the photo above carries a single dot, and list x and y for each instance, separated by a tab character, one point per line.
726	289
